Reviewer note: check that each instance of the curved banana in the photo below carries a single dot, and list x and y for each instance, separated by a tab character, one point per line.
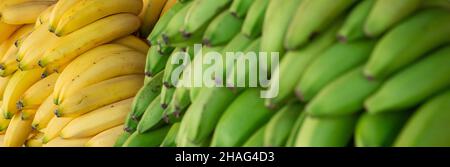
201	13
148	139
44	17
35	140
239	8
257	138
7	30
17	132
3	123
34	46
44	114
152	117
106	138
24	13
156	61
295	130
36	95
122	139
353	28
7	60
169	140
163	21
59	142
54	128
59	10
133	42
279	126
222	29
3	83
151	15
169	4
253	23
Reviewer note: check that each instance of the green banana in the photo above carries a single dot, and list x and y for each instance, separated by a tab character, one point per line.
394	95
145	96
171	65
278	16
294	64
166	96
353	28
257	138
239	8
428	127
312	17
408	41
222	29
130	124
148	139
253	23
163	22
156	60
237	123
201	13
387	13
335	61
182	138
122	138
295	130
172	31
326	131
152	117
180	101
169	140
352	86
280	125
379	130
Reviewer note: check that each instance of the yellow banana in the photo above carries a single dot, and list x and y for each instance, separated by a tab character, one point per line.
133	42
151	15
44	114
2	137
3	123
36	95
89	11
3	82
88	37
7	30
8	64
107	138
18	132
98	120
20	33
18	84
99	95
51	69
59	142
60	8
24	13
35	140
34	46
54	128
44	16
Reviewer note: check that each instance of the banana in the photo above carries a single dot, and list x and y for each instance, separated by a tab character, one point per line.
326	131
83	62
169	140
148	139
33	46
8	64
151	15
379	130
44	114
279	126
257	138
253	23
427	126
295	130
3	83
298	61
121	139
239	8
237	124
54	128
172	64
436	3
180	101
408	41
238	43
325	68
169	4
353	28
52	69
201	13
59	10
18	84
44	17
222	29
4	123
351	86
125	63
152	117
99	95
395	96
17	132
312	17
24	13
89	11
36	95
96	121
90	36
385	14
7	30
6	3
59	142
156	61
174	25
133	42
106	138
276	24
163	21
35	140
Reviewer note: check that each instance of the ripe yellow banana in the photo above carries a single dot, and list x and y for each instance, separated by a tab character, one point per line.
98	120
34	46
88	37
24	13
18	84
36	95
84	61
3	123
99	95
44	114
151	15
60	8
8	64
59	142
6	30
107	138
51	69
54	128
3	82
89	11
35	140
18	132
44	16
133	42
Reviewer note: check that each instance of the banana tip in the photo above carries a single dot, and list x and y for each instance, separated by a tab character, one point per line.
20	105
149	74
206	42
57	113
164	105
299	95
342	38
166	118
135	118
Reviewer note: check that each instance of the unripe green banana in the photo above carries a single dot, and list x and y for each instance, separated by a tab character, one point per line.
152	118
343	96
145	96
353	28
313	16
237	44
172	65
280	125
257	138
163	22
428	127
409	87
182	136
295	130
387	13
331	64
180	101
278	16
326	131
166	96
148	139
253	23
408	41
169	140
222	29
156	60
172	30
201	13
293	65
237	123
122	139
379	130
239	8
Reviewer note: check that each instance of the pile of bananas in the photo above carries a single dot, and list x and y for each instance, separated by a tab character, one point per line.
70	69
352	73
